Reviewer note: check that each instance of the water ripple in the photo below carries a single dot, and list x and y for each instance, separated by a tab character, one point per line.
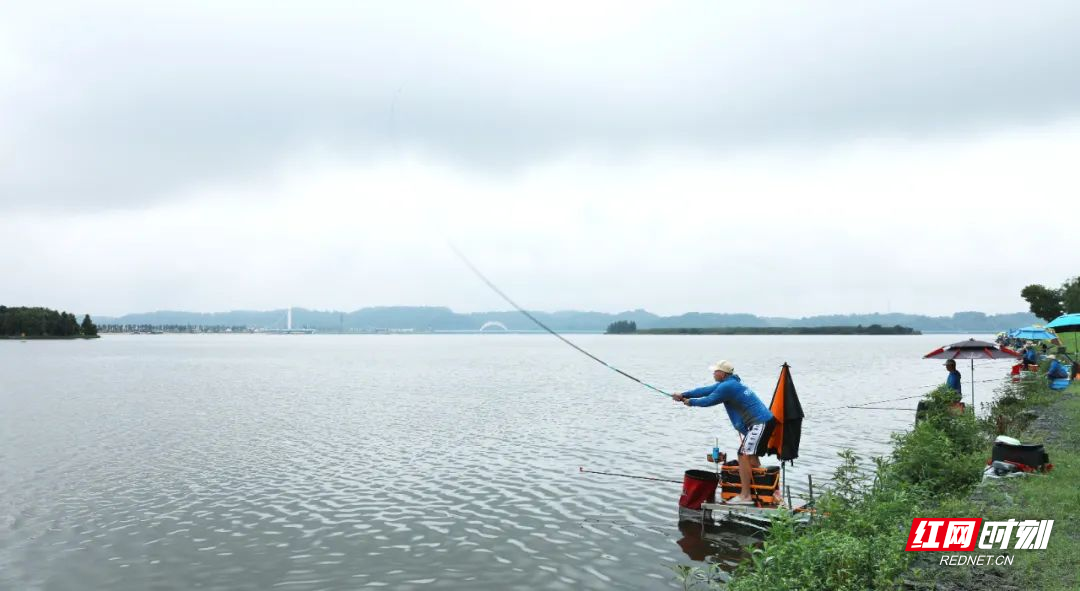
247	462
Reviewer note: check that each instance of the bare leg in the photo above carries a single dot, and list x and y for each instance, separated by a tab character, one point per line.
746	474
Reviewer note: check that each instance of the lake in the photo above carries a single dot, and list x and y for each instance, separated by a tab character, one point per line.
401	461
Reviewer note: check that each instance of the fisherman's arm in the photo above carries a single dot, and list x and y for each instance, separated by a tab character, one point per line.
721	393
695	393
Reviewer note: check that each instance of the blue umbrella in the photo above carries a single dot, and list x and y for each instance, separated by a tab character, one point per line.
1066	323
1033	333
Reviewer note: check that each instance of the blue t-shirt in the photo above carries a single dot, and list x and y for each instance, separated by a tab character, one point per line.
743	407
954	380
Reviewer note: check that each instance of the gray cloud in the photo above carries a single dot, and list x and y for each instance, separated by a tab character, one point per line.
121	106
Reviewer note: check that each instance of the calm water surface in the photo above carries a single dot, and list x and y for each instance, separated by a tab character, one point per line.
420	461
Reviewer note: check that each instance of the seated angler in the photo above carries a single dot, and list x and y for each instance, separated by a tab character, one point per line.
1056	370
1031	356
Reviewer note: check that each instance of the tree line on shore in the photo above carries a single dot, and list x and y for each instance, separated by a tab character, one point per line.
627	327
171	328
622	327
44	323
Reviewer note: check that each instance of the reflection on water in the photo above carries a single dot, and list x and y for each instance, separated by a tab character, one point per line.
701	542
338	462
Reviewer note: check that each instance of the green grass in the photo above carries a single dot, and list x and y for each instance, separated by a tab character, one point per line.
1056	496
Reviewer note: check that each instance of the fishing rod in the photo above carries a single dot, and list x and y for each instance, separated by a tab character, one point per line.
545	327
584	471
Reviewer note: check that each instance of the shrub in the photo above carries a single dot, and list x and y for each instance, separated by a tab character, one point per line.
1008	414
928	459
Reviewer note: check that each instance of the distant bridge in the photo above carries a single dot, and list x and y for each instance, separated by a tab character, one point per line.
494	325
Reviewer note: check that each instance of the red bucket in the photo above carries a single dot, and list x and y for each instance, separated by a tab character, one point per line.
1015	373
698	487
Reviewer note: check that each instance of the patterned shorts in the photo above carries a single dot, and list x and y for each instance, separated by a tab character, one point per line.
756	440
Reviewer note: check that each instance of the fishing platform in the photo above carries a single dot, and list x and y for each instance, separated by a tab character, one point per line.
758	516
699	502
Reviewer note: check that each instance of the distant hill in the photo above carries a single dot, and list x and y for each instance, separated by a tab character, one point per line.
445	319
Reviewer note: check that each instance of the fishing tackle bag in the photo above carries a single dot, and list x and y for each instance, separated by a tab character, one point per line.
1028	457
765	488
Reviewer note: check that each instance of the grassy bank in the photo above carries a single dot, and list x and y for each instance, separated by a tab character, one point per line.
1054	421
1055	497
934	470
1051	496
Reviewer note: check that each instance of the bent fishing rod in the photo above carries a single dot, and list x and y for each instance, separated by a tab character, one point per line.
477	272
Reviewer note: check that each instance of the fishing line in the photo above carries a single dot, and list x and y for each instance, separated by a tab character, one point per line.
658	528
544	326
862	404
878	408
584	471
874	402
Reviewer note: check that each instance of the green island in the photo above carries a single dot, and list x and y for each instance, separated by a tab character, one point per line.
629	327
44	323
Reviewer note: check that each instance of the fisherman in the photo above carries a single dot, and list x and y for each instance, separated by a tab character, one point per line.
1056	370
750	417
953	381
1031	356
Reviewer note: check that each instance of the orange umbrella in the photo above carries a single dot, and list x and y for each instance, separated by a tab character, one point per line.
788	412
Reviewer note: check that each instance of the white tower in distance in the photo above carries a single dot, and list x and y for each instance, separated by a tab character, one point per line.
288	319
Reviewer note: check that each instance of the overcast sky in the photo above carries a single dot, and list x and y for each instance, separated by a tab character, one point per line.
791	159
